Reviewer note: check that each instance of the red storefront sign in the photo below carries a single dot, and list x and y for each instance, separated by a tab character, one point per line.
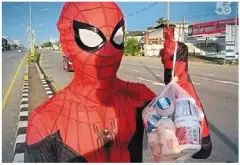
213	27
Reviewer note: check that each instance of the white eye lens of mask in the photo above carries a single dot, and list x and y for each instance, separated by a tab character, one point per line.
90	38
118	38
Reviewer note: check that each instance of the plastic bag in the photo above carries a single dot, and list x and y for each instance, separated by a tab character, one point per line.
172	123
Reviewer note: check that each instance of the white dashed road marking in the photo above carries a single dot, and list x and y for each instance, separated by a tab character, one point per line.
160	84
157	67
153	82
158	75
140	78
135	70
196	83
209	74
226	82
219	81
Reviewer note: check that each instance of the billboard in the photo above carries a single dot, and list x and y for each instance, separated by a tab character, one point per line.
210	28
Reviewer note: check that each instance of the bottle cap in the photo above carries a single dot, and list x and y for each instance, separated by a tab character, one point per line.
153	123
163	103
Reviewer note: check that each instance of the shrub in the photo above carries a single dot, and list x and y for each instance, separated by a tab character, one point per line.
131	47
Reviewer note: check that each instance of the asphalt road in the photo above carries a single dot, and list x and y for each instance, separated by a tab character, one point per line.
10	62
216	85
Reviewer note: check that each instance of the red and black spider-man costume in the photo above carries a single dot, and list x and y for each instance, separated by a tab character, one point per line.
181	71
97	117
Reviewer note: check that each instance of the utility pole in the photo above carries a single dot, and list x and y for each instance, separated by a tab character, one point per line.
184	20
235	36
126	23
168	13
126	27
183	34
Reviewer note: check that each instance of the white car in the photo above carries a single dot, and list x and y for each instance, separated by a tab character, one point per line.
19	51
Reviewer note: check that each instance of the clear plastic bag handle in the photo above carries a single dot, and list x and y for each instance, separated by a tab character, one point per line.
174	59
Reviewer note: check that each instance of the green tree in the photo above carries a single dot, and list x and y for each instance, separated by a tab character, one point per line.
14	46
46	44
159	21
162	20
131	47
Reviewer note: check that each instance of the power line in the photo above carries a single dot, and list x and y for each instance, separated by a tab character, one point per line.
205	17
143	9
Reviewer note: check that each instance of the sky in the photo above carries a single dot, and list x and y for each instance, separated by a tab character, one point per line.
15	16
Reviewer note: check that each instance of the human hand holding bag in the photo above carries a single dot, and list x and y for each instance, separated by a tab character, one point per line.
172	121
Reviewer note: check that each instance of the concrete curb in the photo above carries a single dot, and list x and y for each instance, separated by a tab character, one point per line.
19	146
44	82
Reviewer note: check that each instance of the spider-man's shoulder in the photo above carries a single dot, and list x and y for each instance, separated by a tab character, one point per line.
43	119
55	102
141	92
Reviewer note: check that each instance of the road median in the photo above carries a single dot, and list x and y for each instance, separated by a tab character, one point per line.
35	91
52	85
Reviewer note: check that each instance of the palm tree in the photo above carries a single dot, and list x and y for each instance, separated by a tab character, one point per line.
162	20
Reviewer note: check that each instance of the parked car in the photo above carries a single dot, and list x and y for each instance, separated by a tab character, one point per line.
67	64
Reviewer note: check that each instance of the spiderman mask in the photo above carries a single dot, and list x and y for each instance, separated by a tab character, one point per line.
93	35
97	117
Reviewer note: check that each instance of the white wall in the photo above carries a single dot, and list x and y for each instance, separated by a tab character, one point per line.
231	35
152	50
157	33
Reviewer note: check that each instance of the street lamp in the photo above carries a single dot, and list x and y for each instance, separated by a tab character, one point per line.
31	32
30	28
142	43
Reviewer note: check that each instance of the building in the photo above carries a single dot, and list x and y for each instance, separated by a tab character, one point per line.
154	38
55	46
138	35
5	43
212	38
